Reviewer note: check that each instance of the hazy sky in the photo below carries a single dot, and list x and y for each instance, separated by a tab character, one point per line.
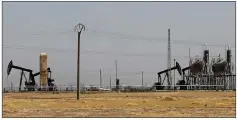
134	33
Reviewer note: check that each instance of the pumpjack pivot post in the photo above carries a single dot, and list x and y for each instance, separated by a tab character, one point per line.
21	80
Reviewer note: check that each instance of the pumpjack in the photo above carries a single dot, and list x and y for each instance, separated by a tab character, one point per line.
160	82
182	81
30	84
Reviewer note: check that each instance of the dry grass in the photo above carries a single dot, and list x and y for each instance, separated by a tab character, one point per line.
154	104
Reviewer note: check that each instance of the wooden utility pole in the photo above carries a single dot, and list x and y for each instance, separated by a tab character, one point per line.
142	78
116	69
174	74
189	60
100	79
11	86
110	82
117	81
79	27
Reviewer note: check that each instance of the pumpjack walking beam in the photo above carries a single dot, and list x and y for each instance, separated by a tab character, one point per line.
38	73
173	68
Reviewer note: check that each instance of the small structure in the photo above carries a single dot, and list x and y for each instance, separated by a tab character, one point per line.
43	71
117	85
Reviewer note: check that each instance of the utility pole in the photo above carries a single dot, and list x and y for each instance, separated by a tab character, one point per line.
110	82
174	75
169	60
189	60
11	86
78	28
116	69
117	81
100	79
142	78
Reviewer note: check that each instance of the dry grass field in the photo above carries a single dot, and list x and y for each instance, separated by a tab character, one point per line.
153	104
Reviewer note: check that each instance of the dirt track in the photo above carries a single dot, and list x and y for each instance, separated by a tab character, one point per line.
155	104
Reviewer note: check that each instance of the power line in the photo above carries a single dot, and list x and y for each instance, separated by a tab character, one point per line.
135	37
90	51
156	39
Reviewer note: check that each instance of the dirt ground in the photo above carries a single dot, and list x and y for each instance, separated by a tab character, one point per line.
153	104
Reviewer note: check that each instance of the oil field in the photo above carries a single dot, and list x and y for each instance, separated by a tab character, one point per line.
207	90
192	87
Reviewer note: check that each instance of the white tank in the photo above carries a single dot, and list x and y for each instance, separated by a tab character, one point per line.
43	54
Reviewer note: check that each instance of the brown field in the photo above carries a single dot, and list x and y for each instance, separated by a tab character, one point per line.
153	104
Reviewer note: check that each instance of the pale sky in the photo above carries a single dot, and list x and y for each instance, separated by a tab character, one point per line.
133	33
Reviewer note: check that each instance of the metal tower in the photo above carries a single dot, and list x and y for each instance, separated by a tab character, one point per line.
169	60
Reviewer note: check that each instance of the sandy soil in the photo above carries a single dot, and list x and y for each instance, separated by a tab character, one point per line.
153	104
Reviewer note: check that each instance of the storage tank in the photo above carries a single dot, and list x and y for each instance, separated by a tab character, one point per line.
219	67
43	71
196	67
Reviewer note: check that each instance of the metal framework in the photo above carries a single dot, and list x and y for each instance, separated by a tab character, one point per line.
211	82
217	76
